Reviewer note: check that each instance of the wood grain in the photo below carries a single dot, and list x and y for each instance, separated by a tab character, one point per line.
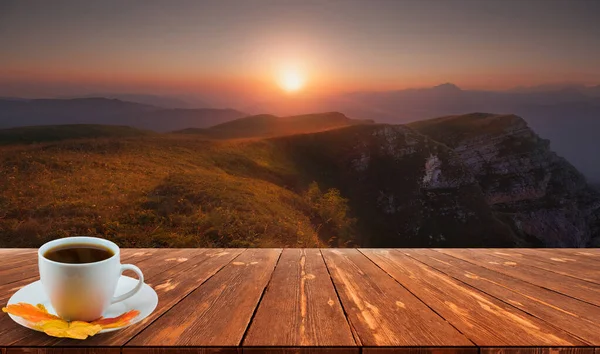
576	317
15	271
483	319
63	351
381	311
301	303
458	350
580	254
564	350
583	255
570	286
7	290
218	312
309	350
571	266
182	350
163	261
11	254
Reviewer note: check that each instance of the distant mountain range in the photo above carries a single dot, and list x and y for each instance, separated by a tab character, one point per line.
16	113
162	101
568	114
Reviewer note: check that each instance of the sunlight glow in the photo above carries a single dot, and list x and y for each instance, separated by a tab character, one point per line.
291	80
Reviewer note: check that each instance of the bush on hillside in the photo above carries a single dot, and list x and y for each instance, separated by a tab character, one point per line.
330	214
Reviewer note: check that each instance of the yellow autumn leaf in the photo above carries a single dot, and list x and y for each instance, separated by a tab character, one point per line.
64	329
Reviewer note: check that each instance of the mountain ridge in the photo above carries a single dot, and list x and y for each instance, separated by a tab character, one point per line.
266	125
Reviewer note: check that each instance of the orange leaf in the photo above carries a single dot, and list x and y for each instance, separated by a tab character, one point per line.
29	312
118	321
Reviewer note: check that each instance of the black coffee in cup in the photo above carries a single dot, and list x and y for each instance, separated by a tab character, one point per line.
78	253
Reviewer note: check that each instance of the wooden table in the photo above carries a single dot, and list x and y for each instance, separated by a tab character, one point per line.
343	301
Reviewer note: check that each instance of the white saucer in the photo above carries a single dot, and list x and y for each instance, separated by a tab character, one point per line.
144	301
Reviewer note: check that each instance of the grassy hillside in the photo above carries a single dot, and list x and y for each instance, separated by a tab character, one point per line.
157	191
265	125
40	134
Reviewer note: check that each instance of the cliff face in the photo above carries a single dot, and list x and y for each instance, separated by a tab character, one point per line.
405	189
545	199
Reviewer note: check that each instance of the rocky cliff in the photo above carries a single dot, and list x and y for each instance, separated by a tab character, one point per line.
405	189
544	199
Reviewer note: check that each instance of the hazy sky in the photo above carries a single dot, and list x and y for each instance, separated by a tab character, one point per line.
344	45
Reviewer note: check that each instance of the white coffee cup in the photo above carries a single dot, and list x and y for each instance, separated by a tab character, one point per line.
84	291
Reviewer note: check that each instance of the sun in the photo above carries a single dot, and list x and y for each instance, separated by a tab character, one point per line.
291	80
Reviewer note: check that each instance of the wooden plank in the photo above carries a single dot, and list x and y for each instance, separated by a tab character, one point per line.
563	350
576	317
18	261
409	350
583	254
182	350
301	303
483	319
7	290
381	311
11	272
571	266
301	350
165	260
578	289
218	312
11	254
63	351
171	286
133	255
8	251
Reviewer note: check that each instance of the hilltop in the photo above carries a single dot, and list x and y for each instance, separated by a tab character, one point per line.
265	125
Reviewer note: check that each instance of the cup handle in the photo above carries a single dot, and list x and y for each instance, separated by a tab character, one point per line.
137	288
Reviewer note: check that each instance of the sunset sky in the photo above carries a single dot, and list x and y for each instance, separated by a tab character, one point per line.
246	46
